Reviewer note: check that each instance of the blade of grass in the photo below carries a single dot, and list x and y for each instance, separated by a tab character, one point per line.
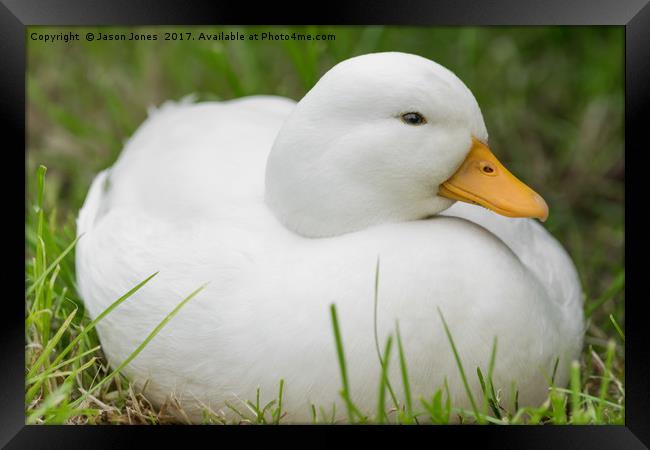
557	362
278	412
482	419
604	383
103	314
381	359
477	414
438	414
618	328
345	393
494	403
51	267
589	397
236	411
64	413
617	286
405	377
50	345
51	371
381	403
314	418
267	408
50	402
140	347
484	389
576	416
558	405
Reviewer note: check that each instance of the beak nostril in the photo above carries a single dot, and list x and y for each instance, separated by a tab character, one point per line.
487	168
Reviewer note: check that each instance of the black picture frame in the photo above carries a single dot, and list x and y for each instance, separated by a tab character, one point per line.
633	15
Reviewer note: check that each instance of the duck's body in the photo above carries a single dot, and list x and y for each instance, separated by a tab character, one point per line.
186	198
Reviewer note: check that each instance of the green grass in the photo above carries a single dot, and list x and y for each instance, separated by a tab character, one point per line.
552	99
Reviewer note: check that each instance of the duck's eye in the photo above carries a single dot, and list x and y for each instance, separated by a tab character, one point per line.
413	118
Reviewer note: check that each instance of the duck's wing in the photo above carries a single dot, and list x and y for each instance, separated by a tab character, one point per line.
192	160
536	248
187	165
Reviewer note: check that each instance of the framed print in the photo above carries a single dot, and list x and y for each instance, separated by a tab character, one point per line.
415	215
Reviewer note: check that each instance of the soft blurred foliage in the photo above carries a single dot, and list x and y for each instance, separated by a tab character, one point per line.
552	99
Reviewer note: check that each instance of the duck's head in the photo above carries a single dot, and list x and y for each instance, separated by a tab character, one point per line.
386	137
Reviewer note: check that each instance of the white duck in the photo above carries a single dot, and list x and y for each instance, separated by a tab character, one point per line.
284	209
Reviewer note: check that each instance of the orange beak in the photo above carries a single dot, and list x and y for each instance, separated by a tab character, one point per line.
483	180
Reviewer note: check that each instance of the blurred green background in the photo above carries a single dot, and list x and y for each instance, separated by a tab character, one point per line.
552	99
